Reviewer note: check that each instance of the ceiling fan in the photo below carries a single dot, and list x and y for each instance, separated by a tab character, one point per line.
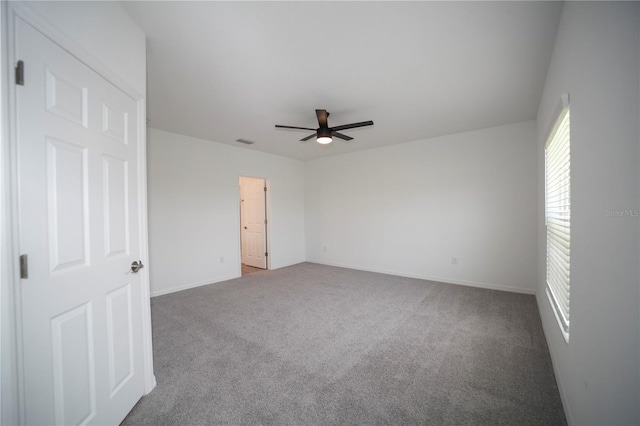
324	133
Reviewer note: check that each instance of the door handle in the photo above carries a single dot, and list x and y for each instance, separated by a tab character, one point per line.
136	266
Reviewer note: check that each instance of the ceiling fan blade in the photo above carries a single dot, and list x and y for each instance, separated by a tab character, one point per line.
353	125
322	115
341	136
308	137
293	127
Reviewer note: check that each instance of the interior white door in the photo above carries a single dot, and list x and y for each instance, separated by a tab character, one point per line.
253	222
78	211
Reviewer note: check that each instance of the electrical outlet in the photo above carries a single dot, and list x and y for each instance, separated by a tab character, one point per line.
454	261
324	249
221	259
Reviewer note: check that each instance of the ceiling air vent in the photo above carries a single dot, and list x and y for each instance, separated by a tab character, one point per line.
244	141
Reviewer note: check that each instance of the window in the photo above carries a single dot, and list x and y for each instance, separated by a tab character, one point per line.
558	216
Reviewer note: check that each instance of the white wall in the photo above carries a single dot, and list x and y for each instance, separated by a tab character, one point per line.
596	60
408	209
194	216
103	32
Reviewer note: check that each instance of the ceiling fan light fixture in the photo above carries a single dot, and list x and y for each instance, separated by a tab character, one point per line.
324	140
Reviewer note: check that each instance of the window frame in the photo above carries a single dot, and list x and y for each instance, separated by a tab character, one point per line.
556	267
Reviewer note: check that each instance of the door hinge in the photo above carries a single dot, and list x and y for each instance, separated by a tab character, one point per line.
20	73
266	254
265	221
24	266
265	189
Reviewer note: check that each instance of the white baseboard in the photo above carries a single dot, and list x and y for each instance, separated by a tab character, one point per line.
488	286
213	281
193	285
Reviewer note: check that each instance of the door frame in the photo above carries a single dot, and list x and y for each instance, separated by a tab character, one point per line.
12	408
267	208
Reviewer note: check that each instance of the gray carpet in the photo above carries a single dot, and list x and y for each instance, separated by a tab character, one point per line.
313	344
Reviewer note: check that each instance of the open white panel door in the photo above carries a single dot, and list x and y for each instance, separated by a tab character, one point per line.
79	213
253	215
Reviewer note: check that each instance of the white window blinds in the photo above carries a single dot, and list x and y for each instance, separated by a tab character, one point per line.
558	217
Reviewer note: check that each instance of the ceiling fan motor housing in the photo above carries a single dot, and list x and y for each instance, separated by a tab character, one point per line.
324	132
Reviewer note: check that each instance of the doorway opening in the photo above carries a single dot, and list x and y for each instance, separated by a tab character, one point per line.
254	238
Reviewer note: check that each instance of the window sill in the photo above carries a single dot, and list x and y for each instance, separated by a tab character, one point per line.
565	333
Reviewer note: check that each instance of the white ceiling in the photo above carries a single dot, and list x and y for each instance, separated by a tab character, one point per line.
227	70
